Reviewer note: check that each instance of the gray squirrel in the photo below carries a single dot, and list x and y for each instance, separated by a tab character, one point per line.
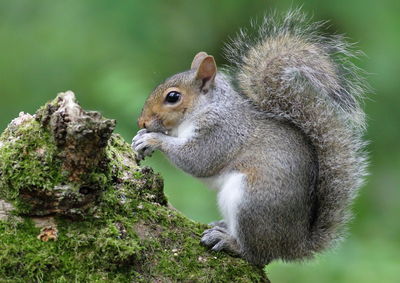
278	134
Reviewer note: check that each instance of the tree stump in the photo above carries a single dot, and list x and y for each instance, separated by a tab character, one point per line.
76	206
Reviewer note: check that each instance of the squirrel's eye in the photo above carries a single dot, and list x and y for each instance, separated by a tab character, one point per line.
173	97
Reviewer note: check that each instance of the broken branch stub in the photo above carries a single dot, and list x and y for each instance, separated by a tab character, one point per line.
54	162
81	136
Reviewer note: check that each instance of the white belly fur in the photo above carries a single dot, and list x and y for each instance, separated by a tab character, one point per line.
230	188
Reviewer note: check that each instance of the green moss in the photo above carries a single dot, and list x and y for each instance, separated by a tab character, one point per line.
27	162
126	241
85	251
141	183
28	159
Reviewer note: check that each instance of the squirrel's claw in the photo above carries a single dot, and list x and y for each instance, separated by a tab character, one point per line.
138	135
219	239
145	143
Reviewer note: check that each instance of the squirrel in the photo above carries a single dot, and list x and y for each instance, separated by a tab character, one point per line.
279	134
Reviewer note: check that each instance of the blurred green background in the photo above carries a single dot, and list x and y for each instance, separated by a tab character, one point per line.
113	53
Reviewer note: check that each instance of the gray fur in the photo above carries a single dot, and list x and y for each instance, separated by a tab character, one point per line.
293	126
293	71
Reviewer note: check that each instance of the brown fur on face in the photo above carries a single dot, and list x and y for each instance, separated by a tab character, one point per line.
161	116
158	115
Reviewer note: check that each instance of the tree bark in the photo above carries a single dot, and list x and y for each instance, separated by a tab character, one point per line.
75	206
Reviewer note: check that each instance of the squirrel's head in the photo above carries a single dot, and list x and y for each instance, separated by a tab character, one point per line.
167	105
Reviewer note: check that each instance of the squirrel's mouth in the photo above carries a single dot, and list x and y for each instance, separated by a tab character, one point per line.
157	126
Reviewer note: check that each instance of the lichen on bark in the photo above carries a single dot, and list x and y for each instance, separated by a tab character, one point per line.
76	206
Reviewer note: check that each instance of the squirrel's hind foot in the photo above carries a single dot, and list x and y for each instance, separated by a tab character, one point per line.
218	238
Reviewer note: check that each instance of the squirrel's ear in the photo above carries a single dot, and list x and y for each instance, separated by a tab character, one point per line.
206	71
197	59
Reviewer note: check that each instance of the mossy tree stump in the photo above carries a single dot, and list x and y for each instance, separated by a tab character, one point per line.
75	206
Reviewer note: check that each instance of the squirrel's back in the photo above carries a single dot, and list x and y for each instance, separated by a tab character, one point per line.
298	74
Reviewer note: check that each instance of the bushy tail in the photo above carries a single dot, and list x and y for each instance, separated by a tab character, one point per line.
295	72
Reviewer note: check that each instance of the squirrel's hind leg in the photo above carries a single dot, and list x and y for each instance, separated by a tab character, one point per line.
221	237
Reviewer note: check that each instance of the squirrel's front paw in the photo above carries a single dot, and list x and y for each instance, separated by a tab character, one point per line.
218	239
145	143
